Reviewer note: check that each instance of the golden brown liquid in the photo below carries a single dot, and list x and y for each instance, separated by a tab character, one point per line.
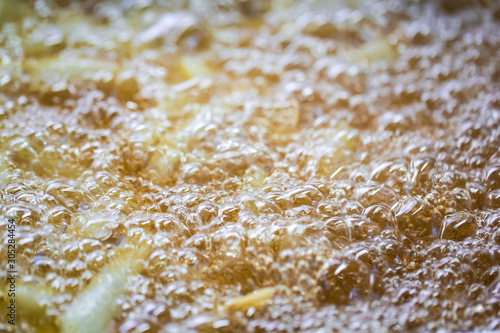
251	166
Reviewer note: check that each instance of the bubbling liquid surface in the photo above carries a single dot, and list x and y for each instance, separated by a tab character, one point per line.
251	166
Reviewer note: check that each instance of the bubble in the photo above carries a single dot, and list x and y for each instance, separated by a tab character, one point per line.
229	212
24	213
59	216
206	211
492	176
370	195
458	226
175	28
21	151
381	215
391	173
415	217
339	277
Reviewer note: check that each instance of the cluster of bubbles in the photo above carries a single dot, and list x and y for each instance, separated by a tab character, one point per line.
346	155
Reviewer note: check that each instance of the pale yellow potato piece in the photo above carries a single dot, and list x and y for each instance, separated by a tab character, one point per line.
32	302
377	50
195	66
67	67
257	299
93	309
